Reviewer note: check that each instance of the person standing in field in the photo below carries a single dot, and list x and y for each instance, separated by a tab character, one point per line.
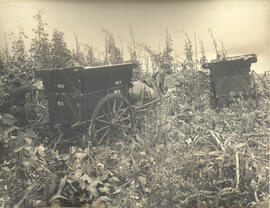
17	90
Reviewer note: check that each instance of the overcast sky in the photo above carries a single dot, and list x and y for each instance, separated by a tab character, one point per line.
243	26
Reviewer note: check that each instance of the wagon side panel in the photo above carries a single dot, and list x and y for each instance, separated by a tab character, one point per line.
119	79
90	101
62	80
99	82
65	108
236	84
230	77
94	80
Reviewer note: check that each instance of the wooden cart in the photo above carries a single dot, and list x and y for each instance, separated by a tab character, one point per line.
94	97
229	77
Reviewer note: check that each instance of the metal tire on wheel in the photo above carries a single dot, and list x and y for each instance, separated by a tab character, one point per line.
112	118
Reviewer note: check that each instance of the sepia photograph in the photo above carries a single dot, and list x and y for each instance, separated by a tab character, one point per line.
135	104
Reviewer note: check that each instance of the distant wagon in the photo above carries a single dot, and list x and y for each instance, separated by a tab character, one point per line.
95	98
229	77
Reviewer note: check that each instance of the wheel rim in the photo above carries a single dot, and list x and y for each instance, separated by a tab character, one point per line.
113	119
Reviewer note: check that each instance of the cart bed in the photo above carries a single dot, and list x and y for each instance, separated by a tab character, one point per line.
74	92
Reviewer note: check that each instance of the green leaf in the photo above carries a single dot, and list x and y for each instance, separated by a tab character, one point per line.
7	119
18	149
107	185
239	145
78	173
80	155
41	150
30	133
93	188
105	190
26	164
82	184
103	177
85	177
142	180
117	191
216	153
6	169
102	199
28	140
114	180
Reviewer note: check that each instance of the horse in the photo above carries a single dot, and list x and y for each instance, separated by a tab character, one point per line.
144	91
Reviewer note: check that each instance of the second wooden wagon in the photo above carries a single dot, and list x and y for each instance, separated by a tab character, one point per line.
230	77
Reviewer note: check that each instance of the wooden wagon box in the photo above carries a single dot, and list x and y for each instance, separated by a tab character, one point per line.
229	77
73	93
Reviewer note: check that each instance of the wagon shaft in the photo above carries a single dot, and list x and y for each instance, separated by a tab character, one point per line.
230	77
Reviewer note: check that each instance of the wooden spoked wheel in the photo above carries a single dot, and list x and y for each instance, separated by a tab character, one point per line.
112	119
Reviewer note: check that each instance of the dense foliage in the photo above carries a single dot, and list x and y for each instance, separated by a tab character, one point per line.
183	153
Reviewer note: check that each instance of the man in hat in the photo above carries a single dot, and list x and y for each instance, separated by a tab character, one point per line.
16	101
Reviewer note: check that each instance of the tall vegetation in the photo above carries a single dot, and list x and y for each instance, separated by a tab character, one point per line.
90	58
2	62
46	52
220	53
77	53
203	59
113	53
184	155
188	51
132	46
60	55
40	50
163	60
19	53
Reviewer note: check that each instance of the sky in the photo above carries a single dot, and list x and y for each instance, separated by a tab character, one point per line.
243	26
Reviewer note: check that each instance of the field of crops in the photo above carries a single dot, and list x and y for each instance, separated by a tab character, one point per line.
183	153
